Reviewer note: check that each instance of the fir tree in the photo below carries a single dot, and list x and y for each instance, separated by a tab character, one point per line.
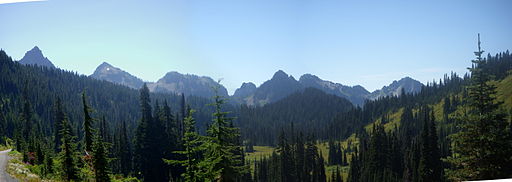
483	146
222	159
429	167
88	121
100	160
58	118
142	141
158	142
125	151
68	155
192	152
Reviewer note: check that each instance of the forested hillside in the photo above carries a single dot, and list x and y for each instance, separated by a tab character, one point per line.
308	110
438	134
35	100
412	137
71	127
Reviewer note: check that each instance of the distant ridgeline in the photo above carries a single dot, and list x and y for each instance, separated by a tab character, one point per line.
278	87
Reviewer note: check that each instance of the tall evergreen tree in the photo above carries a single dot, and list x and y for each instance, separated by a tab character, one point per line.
125	151
58	118
221	155
158	142
142	142
100	160
180	122
192	152
483	146
88	121
27	115
104	130
68	155
150	141
285	158
429	167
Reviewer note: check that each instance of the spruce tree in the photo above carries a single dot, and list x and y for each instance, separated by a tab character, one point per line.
429	167
158	143
100	160
88	121
192	151
125	151
104	130
58	119
27	116
285	158
321	168
437	174
180	122
222	159
142	142
483	146
68	155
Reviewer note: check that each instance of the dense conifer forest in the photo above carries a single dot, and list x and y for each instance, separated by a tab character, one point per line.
70	127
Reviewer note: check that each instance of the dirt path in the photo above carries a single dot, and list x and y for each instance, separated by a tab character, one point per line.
4	158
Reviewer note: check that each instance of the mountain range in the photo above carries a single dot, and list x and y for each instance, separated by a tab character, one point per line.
278	87
282	85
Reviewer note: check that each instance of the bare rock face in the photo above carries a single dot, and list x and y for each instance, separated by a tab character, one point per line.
35	57
407	84
113	74
188	84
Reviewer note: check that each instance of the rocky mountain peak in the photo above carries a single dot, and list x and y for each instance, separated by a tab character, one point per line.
35	57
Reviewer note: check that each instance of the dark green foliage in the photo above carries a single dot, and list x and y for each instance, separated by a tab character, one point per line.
68	154
295	159
430	164
159	143
354	173
150	141
100	160
336	155
88	130
376	164
125	151
311	110
483	147
141	158
223	157
192	143
27	91
405	154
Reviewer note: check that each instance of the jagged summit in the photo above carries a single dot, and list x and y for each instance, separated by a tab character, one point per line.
35	57
280	74
105	65
107	72
245	90
408	84
175	82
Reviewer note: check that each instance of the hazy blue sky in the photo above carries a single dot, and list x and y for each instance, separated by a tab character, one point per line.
370	43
